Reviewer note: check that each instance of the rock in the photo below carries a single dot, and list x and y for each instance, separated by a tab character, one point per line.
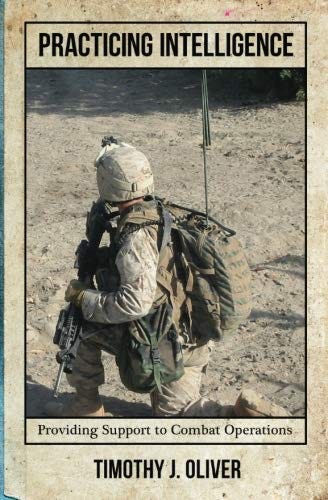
277	282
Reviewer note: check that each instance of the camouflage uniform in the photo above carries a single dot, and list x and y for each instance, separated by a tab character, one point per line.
137	262
124	174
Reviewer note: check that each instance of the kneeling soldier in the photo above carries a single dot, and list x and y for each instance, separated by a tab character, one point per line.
140	300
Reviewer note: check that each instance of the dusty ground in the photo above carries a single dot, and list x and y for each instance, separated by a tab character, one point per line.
256	179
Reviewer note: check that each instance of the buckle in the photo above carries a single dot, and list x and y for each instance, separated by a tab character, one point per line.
155	355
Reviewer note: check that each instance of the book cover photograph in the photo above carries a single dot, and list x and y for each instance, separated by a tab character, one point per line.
164	250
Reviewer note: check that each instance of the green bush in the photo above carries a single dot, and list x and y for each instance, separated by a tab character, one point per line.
270	83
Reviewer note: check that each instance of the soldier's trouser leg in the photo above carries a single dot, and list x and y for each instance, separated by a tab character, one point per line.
88	374
182	397
88	370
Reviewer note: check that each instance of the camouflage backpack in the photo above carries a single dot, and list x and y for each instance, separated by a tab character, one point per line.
217	275
204	272
211	276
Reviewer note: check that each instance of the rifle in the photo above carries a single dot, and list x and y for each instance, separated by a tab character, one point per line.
69	328
68	335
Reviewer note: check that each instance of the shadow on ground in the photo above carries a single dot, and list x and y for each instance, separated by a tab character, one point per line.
297	262
105	92
285	321
37	396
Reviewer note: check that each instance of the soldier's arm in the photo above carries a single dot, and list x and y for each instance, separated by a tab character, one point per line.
136	262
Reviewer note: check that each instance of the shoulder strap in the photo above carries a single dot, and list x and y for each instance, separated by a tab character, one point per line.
167	226
138	218
134	220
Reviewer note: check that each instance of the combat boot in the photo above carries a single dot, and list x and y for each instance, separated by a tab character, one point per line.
251	404
84	404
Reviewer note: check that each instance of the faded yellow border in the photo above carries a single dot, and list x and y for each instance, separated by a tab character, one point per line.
67	471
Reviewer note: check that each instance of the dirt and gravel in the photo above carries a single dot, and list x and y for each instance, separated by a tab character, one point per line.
256	186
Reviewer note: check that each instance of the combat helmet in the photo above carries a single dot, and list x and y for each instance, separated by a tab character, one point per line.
123	173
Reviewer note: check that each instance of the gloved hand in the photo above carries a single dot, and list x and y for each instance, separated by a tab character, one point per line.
74	292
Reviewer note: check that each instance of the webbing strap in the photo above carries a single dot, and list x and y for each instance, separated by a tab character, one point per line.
208	271
138	217
156	360
172	286
167	220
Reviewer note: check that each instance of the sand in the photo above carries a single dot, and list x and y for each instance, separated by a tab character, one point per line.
256	186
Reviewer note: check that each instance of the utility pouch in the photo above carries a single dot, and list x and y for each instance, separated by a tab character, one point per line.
151	352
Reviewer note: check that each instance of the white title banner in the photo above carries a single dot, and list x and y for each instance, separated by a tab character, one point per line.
165	45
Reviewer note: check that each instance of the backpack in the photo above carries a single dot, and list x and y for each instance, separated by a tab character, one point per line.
217	275
211	280
209	284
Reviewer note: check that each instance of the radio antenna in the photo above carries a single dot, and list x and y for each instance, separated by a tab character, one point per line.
206	134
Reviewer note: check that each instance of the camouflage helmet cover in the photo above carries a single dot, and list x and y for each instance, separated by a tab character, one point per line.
123	173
